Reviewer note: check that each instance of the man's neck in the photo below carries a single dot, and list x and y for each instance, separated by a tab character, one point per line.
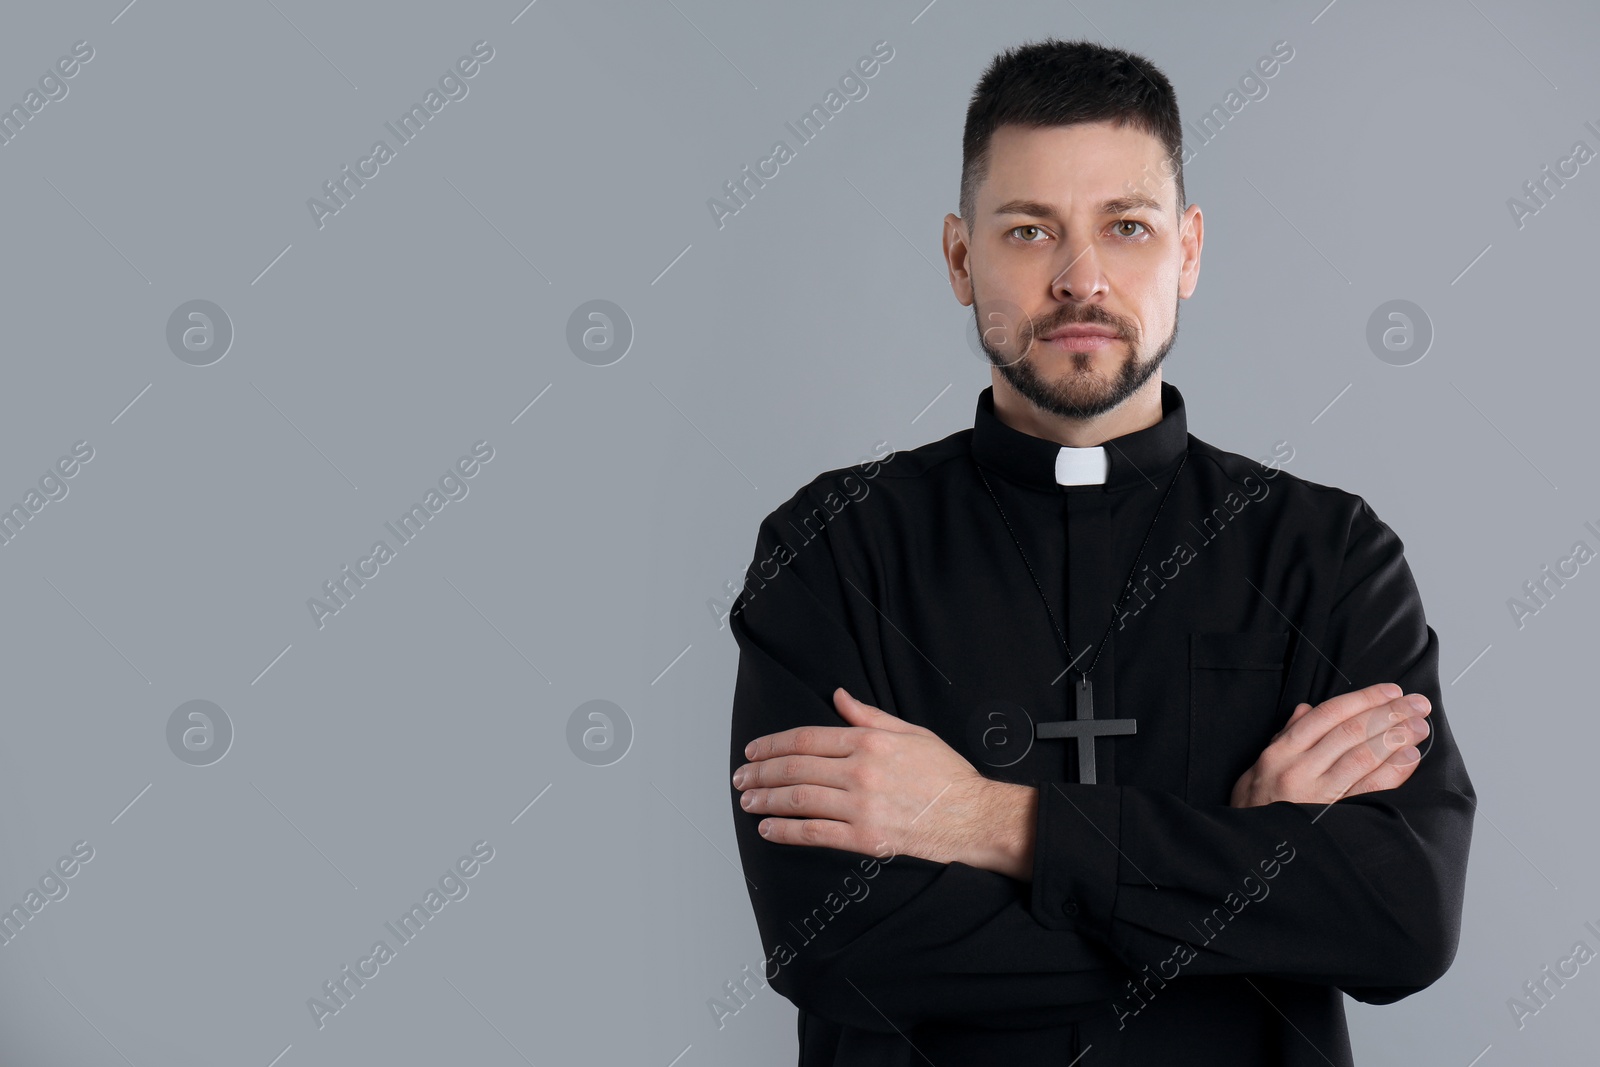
1140	411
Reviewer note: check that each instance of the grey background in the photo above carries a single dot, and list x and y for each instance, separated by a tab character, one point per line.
587	557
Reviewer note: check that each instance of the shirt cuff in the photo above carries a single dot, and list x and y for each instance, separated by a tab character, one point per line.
1076	857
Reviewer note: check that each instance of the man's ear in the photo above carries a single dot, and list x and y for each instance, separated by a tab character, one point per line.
1191	235
956	250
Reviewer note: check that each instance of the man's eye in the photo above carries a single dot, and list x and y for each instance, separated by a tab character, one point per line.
1036	229
1130	222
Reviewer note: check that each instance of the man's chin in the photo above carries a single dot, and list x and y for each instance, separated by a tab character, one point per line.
1080	389
1073	402
1086	406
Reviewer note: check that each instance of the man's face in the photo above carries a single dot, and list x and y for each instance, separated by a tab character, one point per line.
1075	226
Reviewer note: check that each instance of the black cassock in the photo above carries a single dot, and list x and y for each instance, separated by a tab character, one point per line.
1161	925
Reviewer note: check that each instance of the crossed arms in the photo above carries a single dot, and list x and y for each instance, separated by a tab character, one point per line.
884	782
900	886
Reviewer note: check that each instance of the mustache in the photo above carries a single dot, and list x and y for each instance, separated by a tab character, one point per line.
1087	314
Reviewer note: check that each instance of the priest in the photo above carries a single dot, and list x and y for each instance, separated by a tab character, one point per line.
1071	737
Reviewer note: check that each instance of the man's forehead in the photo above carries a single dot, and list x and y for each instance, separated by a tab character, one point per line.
1056	169
1134	199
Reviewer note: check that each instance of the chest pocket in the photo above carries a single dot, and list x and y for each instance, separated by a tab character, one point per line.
1235	686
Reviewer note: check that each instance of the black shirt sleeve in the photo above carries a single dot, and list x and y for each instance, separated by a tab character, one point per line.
878	943
1364	894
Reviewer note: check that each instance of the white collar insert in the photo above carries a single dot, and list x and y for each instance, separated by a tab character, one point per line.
1081	466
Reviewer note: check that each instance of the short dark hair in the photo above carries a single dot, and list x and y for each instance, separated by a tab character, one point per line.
1059	83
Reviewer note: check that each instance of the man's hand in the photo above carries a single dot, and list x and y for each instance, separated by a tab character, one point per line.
1353	743
880	784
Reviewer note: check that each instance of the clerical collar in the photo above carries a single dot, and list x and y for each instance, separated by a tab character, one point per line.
1132	459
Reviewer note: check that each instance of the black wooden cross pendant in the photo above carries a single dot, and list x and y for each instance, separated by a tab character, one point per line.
1085	728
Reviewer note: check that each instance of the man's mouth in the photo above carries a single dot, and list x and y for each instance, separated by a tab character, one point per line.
1081	338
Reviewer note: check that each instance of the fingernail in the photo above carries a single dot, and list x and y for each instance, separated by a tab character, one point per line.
1418	701
747	799
750	750
1418	726
738	778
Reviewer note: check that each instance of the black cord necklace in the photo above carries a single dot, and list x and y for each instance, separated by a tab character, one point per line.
1083	675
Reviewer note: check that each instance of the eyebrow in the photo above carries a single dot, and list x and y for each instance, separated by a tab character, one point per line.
1114	206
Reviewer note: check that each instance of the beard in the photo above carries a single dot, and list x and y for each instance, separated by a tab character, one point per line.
1081	392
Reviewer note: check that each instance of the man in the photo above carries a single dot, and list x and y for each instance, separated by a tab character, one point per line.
1071	737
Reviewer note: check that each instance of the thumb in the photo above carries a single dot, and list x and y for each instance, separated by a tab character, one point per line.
1299	712
860	713
854	711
